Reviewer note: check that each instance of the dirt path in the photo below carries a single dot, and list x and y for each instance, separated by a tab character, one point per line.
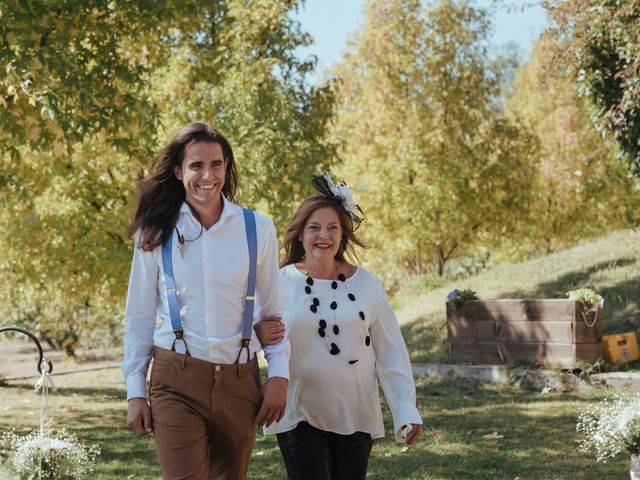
19	359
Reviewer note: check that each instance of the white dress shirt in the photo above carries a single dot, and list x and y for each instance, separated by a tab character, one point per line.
339	354
211	283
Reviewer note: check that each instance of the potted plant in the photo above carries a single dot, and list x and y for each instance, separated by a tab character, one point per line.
591	300
458	297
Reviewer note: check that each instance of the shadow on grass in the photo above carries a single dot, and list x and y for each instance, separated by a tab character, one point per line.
622	306
538	443
104	394
123	454
538	437
622	311
426	339
570	280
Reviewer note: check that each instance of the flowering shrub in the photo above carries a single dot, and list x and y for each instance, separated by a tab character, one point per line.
49	455
457	297
611	427
587	296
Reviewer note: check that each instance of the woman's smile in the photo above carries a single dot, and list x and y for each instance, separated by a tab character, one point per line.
322	235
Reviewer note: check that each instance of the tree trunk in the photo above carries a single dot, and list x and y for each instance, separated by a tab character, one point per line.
439	259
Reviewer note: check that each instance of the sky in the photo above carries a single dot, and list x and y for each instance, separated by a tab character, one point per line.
331	22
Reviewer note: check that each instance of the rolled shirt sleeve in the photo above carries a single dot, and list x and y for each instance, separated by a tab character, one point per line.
392	365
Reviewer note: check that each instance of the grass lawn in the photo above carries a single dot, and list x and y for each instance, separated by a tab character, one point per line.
539	440
610	263
534	435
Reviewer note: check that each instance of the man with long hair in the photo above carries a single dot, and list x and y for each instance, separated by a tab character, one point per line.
198	258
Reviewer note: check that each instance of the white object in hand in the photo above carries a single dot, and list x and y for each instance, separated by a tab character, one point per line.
406	429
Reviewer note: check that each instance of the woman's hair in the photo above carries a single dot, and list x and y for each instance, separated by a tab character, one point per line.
293	249
161	194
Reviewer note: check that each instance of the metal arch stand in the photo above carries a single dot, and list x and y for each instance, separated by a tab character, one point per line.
36	341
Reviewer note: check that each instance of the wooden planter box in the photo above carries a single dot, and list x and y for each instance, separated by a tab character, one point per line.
549	332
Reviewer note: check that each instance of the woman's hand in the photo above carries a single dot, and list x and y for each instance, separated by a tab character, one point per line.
270	330
413	435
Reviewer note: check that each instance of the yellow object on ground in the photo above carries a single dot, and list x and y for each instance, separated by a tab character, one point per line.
620	348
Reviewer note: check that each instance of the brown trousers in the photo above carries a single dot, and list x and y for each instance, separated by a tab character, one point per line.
203	416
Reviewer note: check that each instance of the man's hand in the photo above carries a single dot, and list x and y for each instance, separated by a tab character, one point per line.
139	416
270	330
274	401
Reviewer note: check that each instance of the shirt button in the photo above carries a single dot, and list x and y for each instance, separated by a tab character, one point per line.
217	368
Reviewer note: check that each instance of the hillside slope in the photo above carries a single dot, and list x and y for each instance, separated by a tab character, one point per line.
610	263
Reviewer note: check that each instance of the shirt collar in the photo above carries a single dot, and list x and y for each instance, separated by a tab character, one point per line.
228	209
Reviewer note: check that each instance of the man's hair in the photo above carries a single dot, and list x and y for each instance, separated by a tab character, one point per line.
161	193
293	249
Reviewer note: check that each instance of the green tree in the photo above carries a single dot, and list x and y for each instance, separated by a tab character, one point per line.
76	68
118	77
581	189
245	77
600	44
65	257
74	105
418	120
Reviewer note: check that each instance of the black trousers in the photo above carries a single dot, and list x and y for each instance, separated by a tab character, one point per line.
313	454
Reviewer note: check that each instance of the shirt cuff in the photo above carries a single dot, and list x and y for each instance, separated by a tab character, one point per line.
136	386
278	366
405	414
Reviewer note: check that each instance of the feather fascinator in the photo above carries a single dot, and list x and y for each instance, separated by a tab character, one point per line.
341	194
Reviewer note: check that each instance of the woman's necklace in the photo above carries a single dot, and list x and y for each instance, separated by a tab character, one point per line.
326	333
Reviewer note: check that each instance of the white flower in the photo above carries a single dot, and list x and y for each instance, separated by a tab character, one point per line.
52	455
587	296
611	427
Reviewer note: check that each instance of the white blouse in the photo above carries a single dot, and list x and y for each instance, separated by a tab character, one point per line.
339	352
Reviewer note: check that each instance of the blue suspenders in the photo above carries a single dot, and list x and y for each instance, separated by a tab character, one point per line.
172	299
249	299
